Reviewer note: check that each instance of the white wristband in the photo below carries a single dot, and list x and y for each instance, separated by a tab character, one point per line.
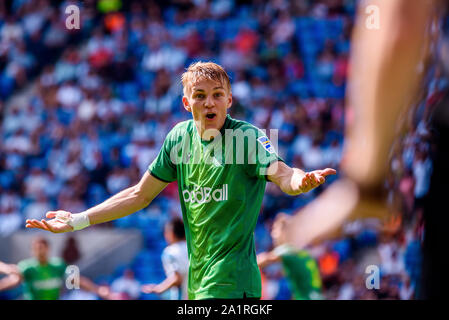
284	249
79	221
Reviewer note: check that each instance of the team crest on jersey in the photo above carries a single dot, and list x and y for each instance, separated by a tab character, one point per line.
266	143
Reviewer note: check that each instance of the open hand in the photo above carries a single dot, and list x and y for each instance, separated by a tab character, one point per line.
105	293
313	179
148	288
55	225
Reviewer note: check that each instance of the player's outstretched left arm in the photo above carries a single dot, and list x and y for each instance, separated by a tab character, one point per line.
294	181
102	291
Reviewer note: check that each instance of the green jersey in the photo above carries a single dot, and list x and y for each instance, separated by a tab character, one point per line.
302	273
42	282
221	186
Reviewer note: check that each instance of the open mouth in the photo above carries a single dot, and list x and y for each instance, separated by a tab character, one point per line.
210	115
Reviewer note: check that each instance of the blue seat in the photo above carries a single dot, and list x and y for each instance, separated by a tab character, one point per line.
124	222
104	279
128	91
303	23
366	238
343	247
337	92
299	88
147	256
145	79
151	296
118	272
310	48
150	273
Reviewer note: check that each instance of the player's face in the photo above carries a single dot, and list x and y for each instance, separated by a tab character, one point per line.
208	101
168	234
40	251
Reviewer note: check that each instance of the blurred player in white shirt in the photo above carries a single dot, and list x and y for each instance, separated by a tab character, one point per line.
175	262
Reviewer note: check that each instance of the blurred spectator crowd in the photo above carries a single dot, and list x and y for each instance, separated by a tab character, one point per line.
97	113
32	33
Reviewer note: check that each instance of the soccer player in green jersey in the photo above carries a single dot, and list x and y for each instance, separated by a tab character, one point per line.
221	165
300	268
42	276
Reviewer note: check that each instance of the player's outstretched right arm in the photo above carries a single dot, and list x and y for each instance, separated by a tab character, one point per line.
13	277
7	268
171	281
10	281
122	204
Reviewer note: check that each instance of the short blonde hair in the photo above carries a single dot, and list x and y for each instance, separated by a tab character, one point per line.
204	70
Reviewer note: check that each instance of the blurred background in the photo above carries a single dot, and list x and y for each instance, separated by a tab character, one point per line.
84	112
